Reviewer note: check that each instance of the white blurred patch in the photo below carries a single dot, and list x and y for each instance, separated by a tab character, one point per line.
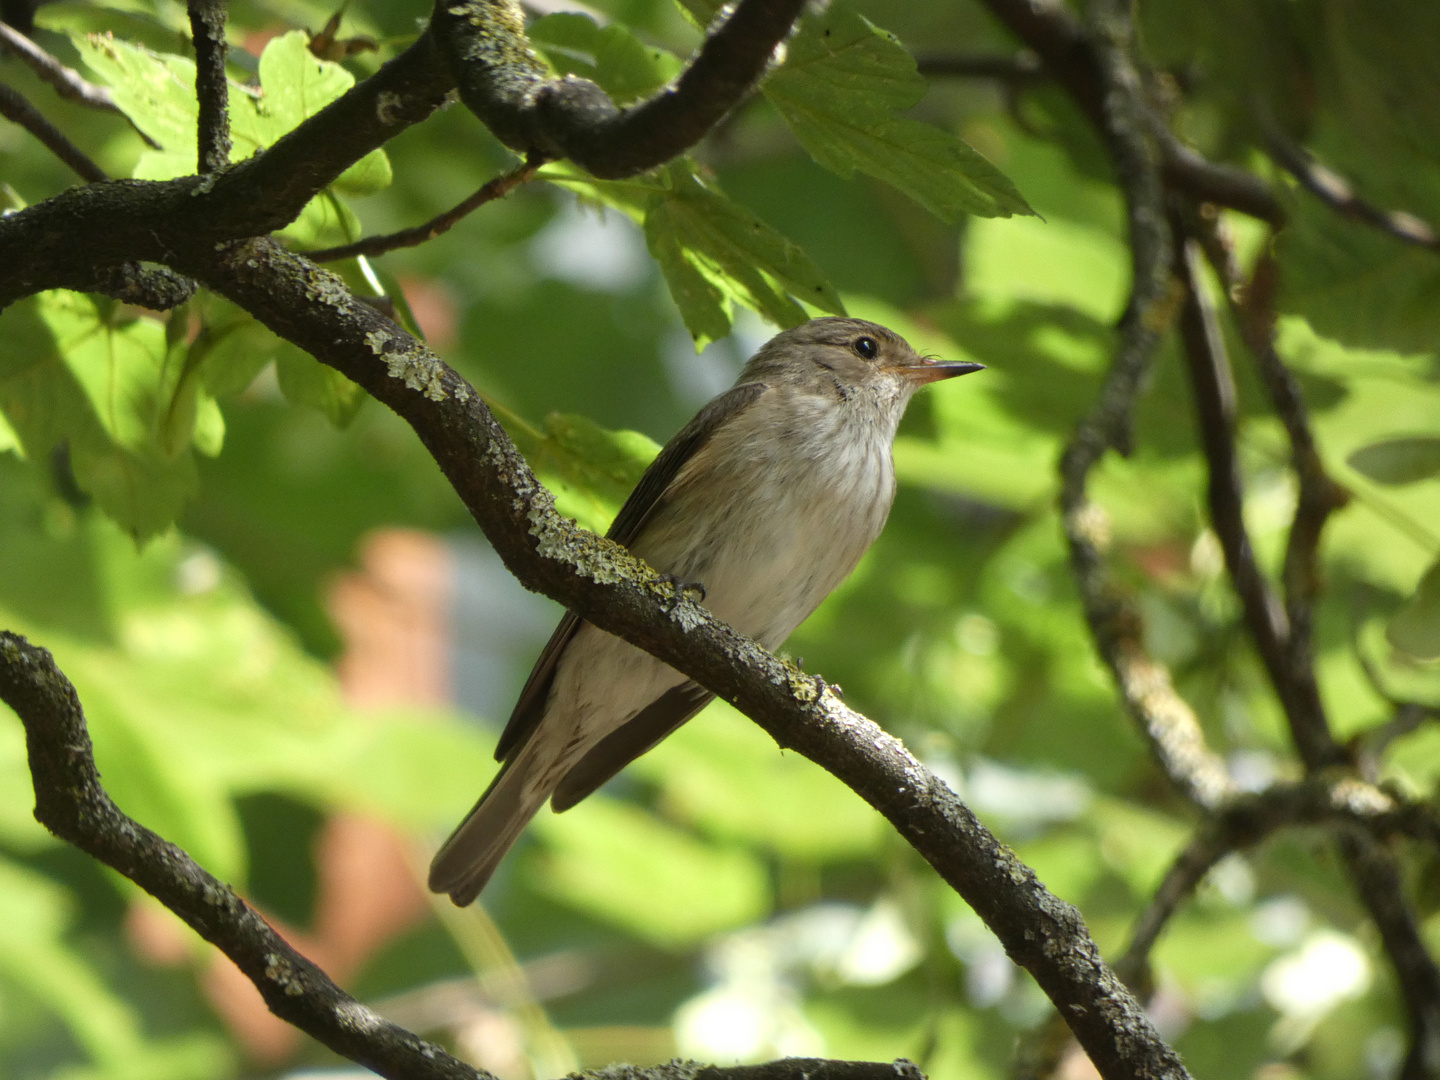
989	973
603	251
1252	770
1304	985
1280	921
698	377
753	1012
198	573
1022	797
1232	880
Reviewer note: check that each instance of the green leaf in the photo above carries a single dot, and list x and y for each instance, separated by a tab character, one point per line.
82	373
714	252
1398	461
840	88
610	56
157	91
625	866
1415	629
1357	285
305	381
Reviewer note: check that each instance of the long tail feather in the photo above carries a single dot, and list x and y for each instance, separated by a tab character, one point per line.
465	862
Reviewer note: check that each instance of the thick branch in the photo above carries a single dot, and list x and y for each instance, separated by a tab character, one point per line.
504	83
125	220
14	107
71	803
212	88
608	587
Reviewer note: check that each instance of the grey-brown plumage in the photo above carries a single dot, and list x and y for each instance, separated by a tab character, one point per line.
768	498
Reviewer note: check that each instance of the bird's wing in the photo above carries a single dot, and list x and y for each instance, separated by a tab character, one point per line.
624	745
647	497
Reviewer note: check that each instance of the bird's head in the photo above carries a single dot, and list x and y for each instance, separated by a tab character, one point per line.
842	356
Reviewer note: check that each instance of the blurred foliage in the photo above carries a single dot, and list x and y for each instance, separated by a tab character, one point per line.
721	899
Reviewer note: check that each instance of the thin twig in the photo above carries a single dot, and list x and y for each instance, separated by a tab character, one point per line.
1020	67
68	83
496	188
1337	193
13	106
212	88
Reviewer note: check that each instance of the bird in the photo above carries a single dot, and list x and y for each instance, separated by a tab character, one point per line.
761	505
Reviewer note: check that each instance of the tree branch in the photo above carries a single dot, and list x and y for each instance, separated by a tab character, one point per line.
1289	659
1052	30
1169	724
494	189
1337	193
212	88
71	802
1021	67
14	107
608	587
504	83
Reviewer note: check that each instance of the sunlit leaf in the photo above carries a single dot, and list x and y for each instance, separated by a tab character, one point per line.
840	89
610	56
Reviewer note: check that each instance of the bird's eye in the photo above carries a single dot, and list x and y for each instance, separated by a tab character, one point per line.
866	347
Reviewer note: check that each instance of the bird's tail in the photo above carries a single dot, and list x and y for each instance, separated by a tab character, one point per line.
465	862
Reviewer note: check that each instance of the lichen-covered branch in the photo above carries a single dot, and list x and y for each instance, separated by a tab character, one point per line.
604	584
505	84
71	802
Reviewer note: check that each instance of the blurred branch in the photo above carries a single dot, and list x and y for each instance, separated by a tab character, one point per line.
1058	37
1337	193
71	802
494	189
506	85
1283	646
1289	659
14	107
1020	67
68	82
1169	724
212	88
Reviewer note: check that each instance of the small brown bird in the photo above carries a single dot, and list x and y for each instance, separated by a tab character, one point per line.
766	500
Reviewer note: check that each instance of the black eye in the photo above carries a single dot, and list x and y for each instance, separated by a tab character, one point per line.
866	347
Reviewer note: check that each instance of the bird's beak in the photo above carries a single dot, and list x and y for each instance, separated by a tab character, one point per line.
928	371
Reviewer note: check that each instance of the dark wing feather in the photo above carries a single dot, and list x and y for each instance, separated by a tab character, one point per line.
620	747
643	501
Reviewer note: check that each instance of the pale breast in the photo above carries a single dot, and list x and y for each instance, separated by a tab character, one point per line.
775	512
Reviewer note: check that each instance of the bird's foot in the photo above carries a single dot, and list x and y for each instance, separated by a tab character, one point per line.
820	684
682	589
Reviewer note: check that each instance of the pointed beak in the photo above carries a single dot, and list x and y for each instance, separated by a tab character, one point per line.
928	371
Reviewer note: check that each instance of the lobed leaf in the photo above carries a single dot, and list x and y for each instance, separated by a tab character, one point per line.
840	88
